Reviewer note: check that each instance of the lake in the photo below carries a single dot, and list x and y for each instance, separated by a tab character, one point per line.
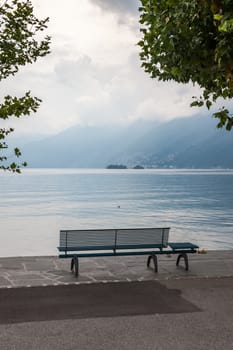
196	204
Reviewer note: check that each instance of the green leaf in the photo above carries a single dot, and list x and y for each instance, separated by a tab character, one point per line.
208	104
21	43
190	41
217	17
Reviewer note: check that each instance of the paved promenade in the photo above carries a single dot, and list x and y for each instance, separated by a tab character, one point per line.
46	271
117	303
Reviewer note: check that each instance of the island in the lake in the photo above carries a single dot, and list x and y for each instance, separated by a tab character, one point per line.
121	166
116	166
138	167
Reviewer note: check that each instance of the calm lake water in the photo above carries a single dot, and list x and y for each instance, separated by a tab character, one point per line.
196	204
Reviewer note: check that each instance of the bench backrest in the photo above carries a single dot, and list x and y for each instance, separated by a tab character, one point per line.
87	239
113	239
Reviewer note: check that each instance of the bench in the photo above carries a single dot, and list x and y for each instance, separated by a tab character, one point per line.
76	244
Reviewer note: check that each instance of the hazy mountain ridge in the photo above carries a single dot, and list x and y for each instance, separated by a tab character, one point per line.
184	143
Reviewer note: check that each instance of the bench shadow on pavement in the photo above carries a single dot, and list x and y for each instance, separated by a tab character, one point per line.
89	301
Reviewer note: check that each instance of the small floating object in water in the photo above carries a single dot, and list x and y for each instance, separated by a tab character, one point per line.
118	206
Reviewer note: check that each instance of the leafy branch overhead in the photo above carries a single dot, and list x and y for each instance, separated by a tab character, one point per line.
19	45
191	41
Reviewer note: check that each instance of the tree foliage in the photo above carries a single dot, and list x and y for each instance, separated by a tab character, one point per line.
191	41
19	45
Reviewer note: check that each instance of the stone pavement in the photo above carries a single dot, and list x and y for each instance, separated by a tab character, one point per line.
50	270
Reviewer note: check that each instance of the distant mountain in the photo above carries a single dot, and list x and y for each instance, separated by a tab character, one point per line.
83	146
183	143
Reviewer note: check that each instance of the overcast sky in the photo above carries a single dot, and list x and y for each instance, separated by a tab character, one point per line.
93	74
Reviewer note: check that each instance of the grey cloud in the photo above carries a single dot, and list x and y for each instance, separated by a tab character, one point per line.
83	74
126	11
83	91
118	6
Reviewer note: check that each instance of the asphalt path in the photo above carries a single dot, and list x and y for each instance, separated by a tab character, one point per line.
89	301
210	328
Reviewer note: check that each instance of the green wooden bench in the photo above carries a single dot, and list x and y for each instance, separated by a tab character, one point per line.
76	244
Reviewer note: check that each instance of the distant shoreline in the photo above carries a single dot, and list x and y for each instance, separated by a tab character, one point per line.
52	171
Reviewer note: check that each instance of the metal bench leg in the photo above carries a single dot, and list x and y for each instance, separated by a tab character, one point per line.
72	264
155	261
75	266
185	257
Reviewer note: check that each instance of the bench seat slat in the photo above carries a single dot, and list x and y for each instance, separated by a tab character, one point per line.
112	247
81	248
183	245
125	253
